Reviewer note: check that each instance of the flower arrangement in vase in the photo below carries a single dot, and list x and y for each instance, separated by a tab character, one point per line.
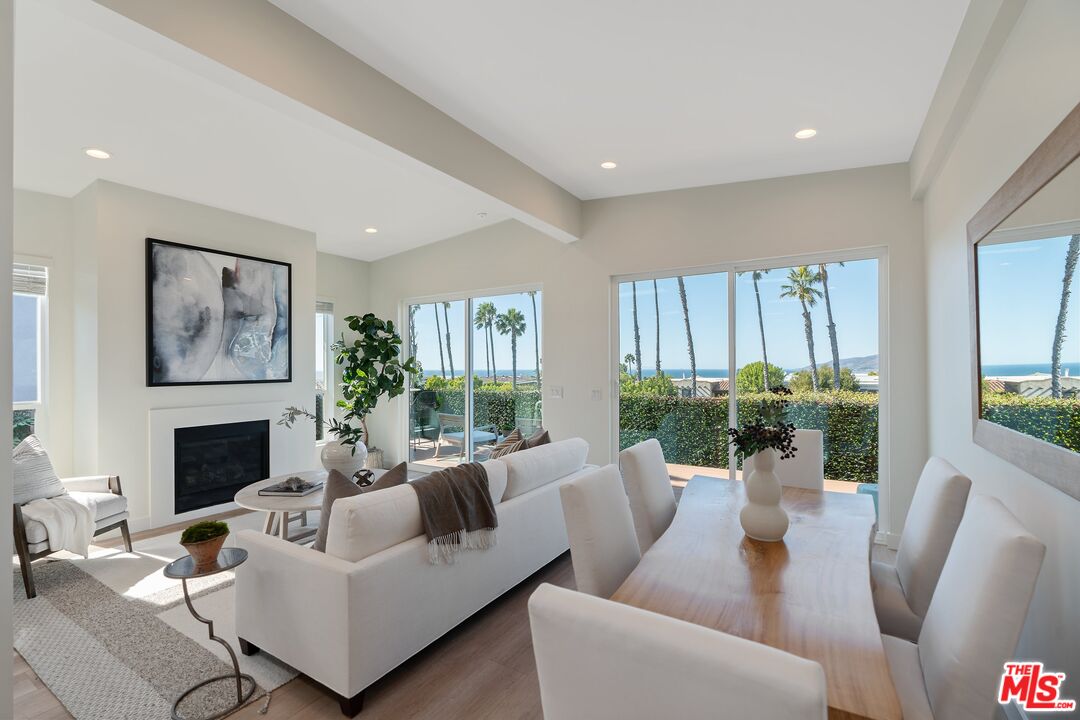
762	517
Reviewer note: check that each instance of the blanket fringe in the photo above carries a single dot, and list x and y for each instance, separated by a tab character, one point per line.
443	549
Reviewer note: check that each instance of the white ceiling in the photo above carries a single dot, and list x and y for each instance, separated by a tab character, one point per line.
680	94
173	130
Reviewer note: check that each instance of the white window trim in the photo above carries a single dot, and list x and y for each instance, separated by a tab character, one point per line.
40	408
329	396
879	253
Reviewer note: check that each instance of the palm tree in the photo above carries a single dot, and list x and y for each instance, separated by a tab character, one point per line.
656	302
536	337
1071	257
511	323
832	326
800	285
449	351
628	360
438	334
757	275
637	334
689	335
485	315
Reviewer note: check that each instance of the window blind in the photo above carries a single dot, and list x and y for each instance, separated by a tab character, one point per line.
322	306
29	279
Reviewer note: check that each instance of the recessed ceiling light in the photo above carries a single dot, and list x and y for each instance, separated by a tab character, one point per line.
608	165
806	133
97	153
371	231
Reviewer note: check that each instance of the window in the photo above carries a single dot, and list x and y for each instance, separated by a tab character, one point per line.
480	374
793	325
29	284
324	367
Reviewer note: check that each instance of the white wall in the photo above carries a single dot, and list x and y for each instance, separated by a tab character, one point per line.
1034	83
6	212
670	230
111	223
43	234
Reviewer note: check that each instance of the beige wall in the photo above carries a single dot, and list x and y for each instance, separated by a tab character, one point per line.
344	282
670	230
43	234
1032	87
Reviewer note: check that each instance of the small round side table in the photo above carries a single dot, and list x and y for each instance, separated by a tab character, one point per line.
183	570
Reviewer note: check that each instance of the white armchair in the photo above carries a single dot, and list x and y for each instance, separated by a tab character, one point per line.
101	492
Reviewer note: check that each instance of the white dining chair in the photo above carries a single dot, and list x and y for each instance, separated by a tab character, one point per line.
602	660
902	592
603	546
974	620
648	487
806	469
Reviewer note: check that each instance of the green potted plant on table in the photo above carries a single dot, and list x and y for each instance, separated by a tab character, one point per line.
203	541
370	368
758	444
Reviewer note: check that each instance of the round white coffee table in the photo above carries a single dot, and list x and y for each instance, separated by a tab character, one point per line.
285	510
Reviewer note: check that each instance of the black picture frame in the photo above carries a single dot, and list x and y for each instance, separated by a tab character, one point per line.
151	379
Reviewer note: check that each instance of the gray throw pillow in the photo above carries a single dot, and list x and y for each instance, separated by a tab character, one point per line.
538	438
33	476
337	486
396	475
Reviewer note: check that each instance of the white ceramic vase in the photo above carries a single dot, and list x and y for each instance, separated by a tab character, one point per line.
336	456
762	517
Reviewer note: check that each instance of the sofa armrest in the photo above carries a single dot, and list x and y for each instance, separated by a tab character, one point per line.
293	602
89	483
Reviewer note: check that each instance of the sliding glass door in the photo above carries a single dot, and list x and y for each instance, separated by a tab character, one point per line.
480	378
673	366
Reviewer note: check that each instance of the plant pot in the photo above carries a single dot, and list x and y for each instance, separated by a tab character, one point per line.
336	456
374	459
205	552
762	518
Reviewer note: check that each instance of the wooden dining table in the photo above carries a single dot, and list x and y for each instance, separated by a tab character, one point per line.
808	595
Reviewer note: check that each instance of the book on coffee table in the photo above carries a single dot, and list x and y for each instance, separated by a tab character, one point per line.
292	488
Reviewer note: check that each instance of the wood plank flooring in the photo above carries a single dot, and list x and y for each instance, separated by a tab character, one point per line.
482	670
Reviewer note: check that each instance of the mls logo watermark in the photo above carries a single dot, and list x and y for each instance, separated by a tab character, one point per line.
1033	688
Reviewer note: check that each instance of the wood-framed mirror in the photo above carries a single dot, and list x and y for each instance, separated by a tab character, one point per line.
1023	252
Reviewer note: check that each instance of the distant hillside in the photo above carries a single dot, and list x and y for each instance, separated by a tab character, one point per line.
865	364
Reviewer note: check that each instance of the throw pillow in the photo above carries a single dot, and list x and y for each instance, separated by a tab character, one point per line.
337	486
521	444
501	448
538	438
394	476
33	476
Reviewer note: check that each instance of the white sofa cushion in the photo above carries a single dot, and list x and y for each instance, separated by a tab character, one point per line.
529	469
372	522
106	507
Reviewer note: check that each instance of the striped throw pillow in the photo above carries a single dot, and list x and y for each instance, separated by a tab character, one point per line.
507	444
33	475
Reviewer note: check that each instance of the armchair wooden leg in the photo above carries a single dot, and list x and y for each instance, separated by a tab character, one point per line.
127	535
24	554
351	706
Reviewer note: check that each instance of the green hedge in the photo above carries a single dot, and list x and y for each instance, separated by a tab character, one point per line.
693	431
1055	421
492	407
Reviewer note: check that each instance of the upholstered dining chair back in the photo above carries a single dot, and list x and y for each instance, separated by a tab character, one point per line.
603	546
603	660
935	513
648	487
978	610
806	469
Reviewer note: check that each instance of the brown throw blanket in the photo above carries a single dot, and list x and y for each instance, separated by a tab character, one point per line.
457	511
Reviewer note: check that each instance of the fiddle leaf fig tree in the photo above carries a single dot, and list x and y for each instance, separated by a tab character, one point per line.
370	368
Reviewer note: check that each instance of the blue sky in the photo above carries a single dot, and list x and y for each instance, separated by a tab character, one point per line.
853	289
1019	298
427	345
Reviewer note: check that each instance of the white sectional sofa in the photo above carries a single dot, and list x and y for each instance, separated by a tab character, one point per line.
347	617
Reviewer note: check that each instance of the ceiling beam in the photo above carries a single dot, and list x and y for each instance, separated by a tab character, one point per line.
266	44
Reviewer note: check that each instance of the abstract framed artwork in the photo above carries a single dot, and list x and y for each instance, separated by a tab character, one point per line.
215	318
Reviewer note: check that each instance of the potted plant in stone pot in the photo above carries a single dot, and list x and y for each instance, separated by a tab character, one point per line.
763	442
370	368
203	541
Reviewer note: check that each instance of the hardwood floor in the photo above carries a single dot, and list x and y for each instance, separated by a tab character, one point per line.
482	670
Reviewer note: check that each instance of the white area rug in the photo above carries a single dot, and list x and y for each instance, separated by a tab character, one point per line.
111	637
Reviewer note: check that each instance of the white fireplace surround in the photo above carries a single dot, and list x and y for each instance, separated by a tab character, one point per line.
290	451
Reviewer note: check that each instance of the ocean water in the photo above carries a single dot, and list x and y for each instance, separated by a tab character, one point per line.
1028	369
